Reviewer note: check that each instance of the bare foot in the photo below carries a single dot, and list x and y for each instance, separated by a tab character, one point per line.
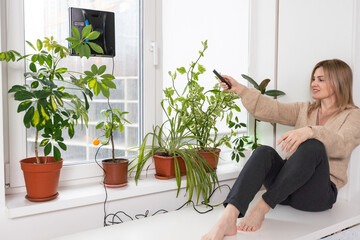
226	226
254	218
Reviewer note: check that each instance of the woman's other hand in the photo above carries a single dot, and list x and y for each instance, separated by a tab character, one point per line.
292	139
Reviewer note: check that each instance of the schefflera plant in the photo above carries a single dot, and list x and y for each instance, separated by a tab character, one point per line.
48	98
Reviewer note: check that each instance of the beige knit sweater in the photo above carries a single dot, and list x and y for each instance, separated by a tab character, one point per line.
340	134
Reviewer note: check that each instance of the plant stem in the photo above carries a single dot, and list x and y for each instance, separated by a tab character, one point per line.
36	147
112	146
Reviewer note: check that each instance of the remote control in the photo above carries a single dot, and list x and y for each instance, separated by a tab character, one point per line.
222	79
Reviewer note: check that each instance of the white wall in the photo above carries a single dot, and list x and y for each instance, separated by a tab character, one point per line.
309	31
304	39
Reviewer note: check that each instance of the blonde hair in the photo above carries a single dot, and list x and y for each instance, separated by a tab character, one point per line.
340	78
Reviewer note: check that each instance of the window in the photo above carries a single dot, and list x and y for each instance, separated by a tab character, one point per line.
50	18
144	28
224	24
42	18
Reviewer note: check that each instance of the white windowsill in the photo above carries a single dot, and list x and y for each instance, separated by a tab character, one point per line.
87	194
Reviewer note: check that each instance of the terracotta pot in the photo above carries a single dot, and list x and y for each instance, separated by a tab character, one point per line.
211	157
41	180
116	172
165	166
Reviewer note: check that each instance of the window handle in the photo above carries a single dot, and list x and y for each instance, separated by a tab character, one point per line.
155	50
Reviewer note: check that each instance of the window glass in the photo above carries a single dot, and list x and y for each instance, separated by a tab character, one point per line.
224	24
44	18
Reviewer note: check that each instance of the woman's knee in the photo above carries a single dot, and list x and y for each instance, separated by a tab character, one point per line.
263	151
311	149
263	154
312	145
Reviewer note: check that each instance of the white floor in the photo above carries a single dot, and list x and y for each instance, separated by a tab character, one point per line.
281	223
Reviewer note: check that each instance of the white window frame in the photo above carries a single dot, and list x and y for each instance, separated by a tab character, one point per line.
151	95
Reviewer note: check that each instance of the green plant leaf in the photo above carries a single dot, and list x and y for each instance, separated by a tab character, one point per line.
29	115
97	48
105	91
86	101
81	50
107	133
17	88
108	83
99	125
274	93
61	70
87	51
34	58
62	145
72	40
34	84
201	68
57	154
180	70
85	31
48	61
97	88
39	44
101	69
94	69
47	149
30	44
53	104
23	95
89	74
107	76
60	102
44	142
263	85
36	118
23	106
252	81
93	35
75	32
71	131
121	127
32	67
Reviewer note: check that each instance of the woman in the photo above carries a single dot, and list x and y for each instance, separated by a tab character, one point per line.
319	149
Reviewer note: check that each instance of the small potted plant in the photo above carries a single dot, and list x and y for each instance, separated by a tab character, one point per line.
202	109
171	147
115	169
51	108
262	88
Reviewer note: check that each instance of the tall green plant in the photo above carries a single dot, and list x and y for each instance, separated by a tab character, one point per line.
262	88
47	96
201	109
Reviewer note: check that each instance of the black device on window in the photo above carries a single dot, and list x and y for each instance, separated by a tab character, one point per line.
101	21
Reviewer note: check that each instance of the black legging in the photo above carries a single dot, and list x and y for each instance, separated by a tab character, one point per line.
302	181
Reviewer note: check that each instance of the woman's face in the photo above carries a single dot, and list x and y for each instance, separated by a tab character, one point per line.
320	85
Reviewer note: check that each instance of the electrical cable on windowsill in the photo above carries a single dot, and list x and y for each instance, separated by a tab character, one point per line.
116	219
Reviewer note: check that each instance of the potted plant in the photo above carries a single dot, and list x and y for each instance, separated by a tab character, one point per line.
171	144
51	108
262	88
202	109
115	169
